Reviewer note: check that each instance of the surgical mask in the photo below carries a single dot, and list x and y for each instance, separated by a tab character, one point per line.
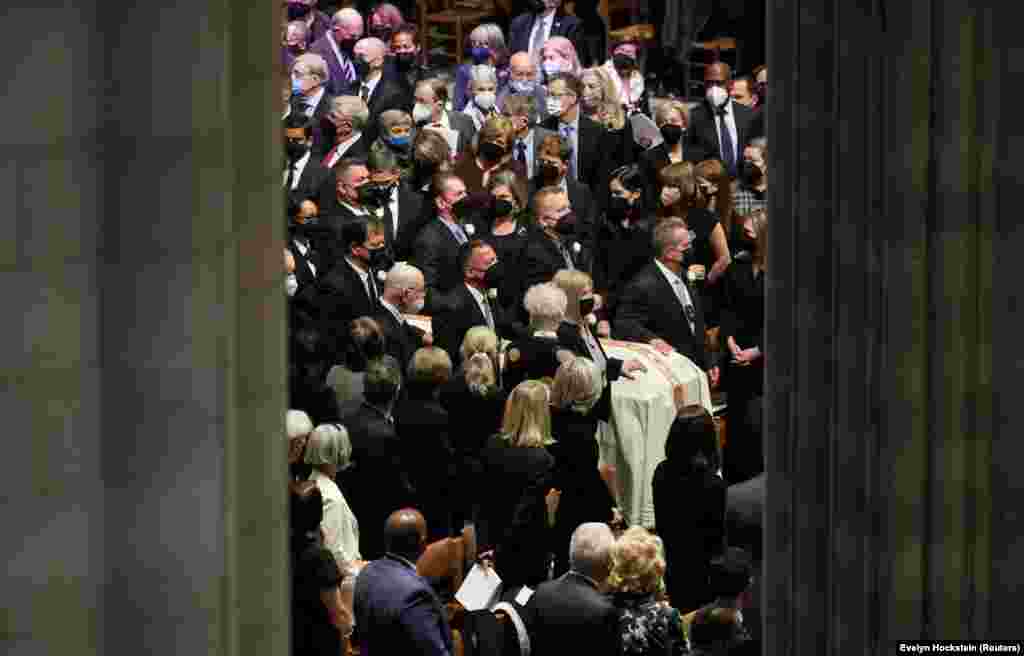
493	276
623	63
717	96
549	172
554	106
485	100
296	86
523	87
480	55
296	150
405	61
586	305
416	307
551	68
422	113
618	205
460	209
374	195
567	224
503	207
382	32
750	174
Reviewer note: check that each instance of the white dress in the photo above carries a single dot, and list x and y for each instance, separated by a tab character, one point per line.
341	530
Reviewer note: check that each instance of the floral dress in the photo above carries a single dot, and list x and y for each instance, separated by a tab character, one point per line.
649	627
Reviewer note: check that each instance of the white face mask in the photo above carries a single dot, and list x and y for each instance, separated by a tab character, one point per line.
484	100
416	307
422	113
636	87
717	96
551	67
554	106
523	86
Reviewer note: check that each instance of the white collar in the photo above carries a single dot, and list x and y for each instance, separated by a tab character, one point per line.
300	163
314	100
476	293
355	267
669	274
392	309
354	137
358	211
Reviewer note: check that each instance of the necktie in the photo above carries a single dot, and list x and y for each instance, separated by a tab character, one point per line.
307	107
330	154
538	39
683	294
371	287
291	176
566	256
486	305
567	131
460	234
728	149
521	151
596	354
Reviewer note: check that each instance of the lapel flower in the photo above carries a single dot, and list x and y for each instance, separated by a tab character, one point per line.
492	293
470	229
576	248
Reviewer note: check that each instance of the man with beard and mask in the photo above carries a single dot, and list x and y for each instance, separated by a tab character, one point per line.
403	63
751	192
553	155
303	245
296	40
543	19
436	247
317	22
303	176
401	208
522	81
353	285
719	127
473	303
378	93
347	118
555	244
588	159
431	96
527	135
622	246
404	293
658	307
336	47
483	87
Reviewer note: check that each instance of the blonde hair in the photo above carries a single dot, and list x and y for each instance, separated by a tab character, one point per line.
329	444
578	385
573	282
297	424
480	377
527	420
609	103
479	339
665	108
430	364
638	562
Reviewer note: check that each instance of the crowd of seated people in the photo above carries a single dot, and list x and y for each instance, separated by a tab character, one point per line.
459	241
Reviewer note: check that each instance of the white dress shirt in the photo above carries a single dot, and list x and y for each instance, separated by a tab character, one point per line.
341	530
681	290
730	125
339	150
302	246
372	84
482	304
528	140
393	208
543	24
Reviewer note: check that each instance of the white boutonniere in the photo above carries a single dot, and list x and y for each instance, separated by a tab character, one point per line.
576	248
470	229
382	275
492	293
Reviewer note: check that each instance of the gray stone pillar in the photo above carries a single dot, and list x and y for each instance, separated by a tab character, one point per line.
892	430
145	505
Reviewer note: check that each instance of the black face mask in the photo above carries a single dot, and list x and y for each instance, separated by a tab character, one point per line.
295	51
382	33
460	209
549	172
619	206
494	276
380	258
536	6
491	152
423	172
295	150
623	63
672	134
374	195
586	305
567	224
305	513
298	11
362	67
347	45
405	61
762	92
749	174
503	207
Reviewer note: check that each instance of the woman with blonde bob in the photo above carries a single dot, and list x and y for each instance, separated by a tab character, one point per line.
636	581
518	467
329	451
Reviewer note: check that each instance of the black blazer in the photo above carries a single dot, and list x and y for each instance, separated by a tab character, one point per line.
455	314
376	484
582	203
542	260
702	138
410	221
315	183
400	339
619	254
570	607
511	470
594	152
342	297
436	254
649	309
357	149
522	27
744	507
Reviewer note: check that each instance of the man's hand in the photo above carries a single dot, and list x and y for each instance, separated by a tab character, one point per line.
428	339
289	261
604	329
713	376
747	356
598	302
631	365
661	346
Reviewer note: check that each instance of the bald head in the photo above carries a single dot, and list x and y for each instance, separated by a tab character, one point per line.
405	533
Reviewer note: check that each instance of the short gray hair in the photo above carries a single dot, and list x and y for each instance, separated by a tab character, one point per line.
590	550
663	232
297	424
346	14
482	73
329	444
402	276
546	302
298	26
578	384
491	34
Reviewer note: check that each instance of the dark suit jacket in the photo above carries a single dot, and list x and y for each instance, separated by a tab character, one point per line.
358	149
594	150
388	94
376	484
649	308
464	126
744	515
315	183
702	136
570	611
581	200
522	27
542	259
342	297
400	340
337	84
410	221
436	254
510	470
398	613
457	312
619	254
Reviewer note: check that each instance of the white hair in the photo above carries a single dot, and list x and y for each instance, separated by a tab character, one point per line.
378	46
402	276
316	64
482	73
329	444
590	549
297	424
300	27
347	14
546	302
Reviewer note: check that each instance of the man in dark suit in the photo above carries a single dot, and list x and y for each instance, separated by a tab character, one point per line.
394	608
345	120
376	485
431	96
524	111
529	31
659	308
571	610
436	248
589	160
310	96
404	64
378	93
304	177
554	245
720	128
348	200
470	304
352	287
403	293
553	156
400	208
336	45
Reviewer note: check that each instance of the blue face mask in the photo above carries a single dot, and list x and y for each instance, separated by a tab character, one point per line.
480	55
403	140
296	86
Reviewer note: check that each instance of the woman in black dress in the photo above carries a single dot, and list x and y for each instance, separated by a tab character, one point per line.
505	228
689	507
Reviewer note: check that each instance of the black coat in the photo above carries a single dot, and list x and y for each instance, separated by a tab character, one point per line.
358	149
569	609
377	483
400	339
620	253
411	219
458	311
342	297
702	138
388	94
530	358
521	28
595	149
542	258
316	183
436	254
649	309
583	204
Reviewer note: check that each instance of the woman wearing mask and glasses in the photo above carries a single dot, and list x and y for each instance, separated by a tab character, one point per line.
672	120
485	46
